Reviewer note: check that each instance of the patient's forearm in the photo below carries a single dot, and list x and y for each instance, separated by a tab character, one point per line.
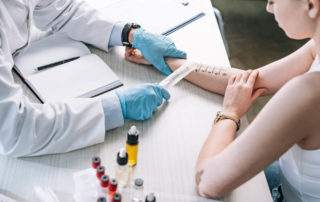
210	77
272	76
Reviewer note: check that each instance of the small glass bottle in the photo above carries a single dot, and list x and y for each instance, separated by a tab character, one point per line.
100	171
122	174
104	182
150	198
95	162
101	199
113	187
116	197
132	145
138	190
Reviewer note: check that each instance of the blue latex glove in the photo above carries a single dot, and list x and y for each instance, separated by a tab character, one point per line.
141	101
155	47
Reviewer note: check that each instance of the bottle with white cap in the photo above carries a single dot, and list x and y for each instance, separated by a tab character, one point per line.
122	174
132	145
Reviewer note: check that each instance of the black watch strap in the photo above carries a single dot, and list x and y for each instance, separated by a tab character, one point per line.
125	33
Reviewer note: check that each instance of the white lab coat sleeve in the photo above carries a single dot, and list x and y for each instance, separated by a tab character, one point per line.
29	129
112	111
75	18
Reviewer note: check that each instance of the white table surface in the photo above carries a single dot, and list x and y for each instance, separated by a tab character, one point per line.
169	142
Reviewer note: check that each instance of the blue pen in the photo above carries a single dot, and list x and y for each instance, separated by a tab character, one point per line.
196	17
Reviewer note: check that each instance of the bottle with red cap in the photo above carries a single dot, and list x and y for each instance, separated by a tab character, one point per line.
113	184
116	197
88	183
100	171
104	182
95	162
102	199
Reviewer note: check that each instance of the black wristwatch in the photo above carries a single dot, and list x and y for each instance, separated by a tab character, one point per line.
125	33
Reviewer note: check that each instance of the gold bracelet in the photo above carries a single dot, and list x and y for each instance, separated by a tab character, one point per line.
221	116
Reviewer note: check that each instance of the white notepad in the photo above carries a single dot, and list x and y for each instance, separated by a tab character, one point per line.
84	77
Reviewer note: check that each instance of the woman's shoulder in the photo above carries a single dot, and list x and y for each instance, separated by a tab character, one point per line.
306	84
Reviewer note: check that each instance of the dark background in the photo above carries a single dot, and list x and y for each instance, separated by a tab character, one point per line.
254	38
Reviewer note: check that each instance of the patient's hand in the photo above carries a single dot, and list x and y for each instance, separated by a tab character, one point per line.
134	55
240	93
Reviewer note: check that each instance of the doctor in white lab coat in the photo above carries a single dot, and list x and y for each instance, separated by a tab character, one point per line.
28	129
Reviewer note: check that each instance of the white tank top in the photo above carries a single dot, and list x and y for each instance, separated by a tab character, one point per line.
300	169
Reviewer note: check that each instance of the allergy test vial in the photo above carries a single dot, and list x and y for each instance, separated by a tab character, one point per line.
178	75
122	173
137	190
132	145
104	182
150	198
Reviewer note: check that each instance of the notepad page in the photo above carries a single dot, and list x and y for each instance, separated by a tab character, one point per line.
83	77
48	50
156	16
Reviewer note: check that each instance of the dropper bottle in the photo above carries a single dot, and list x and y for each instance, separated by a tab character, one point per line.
122	170
132	145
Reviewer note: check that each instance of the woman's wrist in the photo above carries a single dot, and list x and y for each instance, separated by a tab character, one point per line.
231	122
225	116
231	113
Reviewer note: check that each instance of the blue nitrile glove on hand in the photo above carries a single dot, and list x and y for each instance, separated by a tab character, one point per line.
141	101
155	47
